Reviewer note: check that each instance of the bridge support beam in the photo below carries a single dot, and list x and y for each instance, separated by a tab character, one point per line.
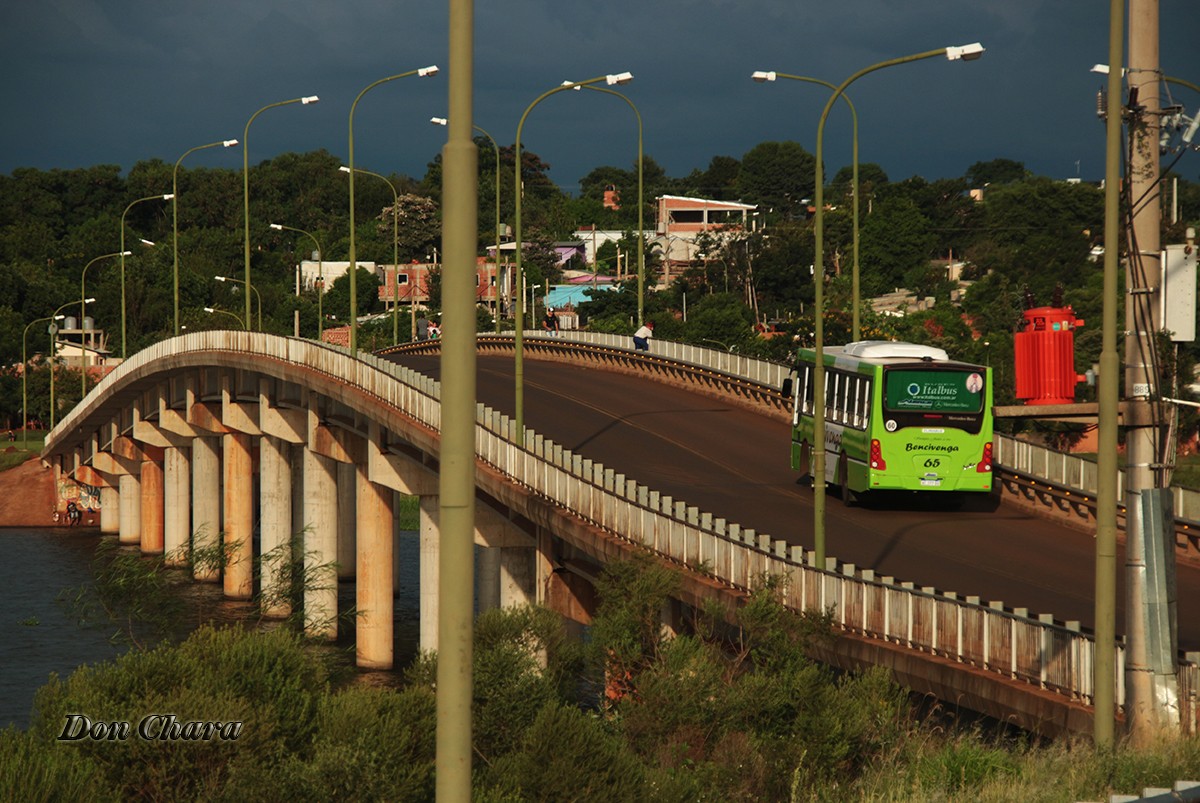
177	498
239	516
110	510
131	510
430	552
275	516
320	546
151	508
347	491
206	507
373	591
517	580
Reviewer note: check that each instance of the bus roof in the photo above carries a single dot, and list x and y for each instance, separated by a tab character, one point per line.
891	349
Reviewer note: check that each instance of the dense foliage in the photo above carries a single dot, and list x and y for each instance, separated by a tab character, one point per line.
731	708
1020	238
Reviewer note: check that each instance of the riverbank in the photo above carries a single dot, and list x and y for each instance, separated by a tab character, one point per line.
27	495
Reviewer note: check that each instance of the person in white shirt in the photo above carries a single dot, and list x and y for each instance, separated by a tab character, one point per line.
641	338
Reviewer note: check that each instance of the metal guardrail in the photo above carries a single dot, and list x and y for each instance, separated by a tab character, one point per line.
1035	649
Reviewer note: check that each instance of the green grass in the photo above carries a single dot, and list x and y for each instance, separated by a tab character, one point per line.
14	453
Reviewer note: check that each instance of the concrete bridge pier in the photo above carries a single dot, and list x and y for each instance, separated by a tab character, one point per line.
517	581
320	545
110	510
275	517
373	591
206	507
347	490
430	551
239	516
130	489
177	501
151	507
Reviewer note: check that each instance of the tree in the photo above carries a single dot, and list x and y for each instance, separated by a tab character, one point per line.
895	238
418	226
777	175
997	171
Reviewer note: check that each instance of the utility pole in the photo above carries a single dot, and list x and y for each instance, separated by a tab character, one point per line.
1152	698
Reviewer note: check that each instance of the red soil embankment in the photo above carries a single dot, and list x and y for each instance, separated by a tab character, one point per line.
27	496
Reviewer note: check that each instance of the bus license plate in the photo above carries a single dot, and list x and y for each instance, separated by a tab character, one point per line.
933	483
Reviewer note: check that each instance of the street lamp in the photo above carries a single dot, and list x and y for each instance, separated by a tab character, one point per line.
965	53
320	273
423	72
496	148
228	143
123	252
25	378
395	251
519	344
641	205
53	328
256	293
246	184
761	76
82	313
215	311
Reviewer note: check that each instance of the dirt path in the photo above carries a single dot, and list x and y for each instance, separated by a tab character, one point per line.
27	496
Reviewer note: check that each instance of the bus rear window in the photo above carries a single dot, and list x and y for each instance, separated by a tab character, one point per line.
933	391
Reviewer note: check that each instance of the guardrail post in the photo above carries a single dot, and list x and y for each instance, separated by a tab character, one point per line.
1046	648
1018	614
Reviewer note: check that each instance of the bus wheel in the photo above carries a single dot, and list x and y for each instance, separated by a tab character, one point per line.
849	498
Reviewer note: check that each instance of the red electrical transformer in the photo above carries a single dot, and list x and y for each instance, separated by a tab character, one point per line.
1044	354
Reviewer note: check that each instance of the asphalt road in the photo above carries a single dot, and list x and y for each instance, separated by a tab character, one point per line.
734	463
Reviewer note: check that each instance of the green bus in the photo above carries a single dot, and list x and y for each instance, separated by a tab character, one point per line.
898	416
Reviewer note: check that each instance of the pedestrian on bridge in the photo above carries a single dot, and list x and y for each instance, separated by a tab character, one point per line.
550	322
641	338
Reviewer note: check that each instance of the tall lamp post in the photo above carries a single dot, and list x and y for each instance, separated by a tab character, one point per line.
249	287
82	312
228	143
308	99
423	72
123	252
25	377
496	149
641	250
53	336
519	341
966	53
761	76
395	248
320	273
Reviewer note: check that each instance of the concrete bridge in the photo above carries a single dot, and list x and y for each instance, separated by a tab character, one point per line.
196	438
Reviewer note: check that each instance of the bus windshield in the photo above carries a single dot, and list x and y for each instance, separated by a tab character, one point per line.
933	391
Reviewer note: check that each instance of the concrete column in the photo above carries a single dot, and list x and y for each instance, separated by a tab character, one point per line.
131	510
295	453
110	510
152	508
396	533
518	582
347	491
206	509
487	578
429	572
275	505
239	515
320	546
374	634
177	511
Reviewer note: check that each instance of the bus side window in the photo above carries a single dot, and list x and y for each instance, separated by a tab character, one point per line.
805	378
851	406
865	404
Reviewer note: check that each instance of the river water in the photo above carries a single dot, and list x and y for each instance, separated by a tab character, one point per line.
39	634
